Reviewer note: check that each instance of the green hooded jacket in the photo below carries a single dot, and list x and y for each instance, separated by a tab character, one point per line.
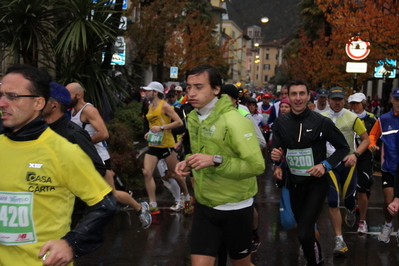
227	133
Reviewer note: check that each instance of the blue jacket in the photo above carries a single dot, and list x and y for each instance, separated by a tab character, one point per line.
389	124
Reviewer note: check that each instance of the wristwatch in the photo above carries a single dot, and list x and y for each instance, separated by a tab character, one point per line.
162	127
324	165
356	154
217	160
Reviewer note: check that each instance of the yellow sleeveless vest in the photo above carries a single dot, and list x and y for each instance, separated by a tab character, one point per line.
157	118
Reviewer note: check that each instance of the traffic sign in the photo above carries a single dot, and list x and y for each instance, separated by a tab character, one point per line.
356	67
357	49
119	55
381	71
173	72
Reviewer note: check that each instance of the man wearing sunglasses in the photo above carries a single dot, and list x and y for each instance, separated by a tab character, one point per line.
41	174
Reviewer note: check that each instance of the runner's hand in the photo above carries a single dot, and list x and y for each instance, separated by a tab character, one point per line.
59	253
278	173
156	129
350	160
200	160
374	148
318	170
178	145
182	168
276	154
393	207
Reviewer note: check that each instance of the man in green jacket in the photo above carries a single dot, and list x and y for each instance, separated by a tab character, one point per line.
225	160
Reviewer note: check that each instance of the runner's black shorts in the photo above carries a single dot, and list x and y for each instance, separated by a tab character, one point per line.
387	180
160	153
213	228
365	177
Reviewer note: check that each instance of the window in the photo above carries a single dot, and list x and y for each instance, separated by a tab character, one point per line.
256	33
266	67
267	56
250	33
233	34
266	78
257	77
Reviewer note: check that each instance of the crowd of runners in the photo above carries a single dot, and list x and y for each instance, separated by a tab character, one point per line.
56	198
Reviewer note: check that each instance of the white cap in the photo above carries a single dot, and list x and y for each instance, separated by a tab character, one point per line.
357	97
154	86
178	88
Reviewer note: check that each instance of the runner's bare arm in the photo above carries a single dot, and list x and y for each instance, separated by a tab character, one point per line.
91	115
169	111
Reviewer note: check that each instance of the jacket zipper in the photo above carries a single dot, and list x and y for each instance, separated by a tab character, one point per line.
225	133
300	132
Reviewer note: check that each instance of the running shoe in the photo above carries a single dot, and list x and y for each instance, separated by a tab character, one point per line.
341	249
176	207
350	218
385	235
362	229
154	210
188	206
255	244
144	215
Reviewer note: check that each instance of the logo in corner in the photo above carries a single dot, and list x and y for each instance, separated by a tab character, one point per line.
35	165
245	251
248	136
213	128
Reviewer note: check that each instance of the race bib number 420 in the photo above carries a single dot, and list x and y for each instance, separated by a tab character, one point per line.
299	161
16	219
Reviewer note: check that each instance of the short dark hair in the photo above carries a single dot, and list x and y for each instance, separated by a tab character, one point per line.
39	78
171	93
215	79
297	82
160	95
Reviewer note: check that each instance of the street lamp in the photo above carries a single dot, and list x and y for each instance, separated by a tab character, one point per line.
264	19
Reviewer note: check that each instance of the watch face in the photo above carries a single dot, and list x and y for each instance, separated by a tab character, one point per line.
217	159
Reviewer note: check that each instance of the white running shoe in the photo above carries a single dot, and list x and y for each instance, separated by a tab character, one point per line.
385	235
176	207
362	229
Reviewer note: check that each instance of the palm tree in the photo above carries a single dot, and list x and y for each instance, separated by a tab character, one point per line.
85	31
26	29
68	37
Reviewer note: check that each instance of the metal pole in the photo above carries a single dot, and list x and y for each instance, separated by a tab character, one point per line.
355	83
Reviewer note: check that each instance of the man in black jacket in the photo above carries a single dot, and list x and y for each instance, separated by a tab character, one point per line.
54	114
301	137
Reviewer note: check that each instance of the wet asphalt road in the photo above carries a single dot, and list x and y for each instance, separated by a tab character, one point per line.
165	243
